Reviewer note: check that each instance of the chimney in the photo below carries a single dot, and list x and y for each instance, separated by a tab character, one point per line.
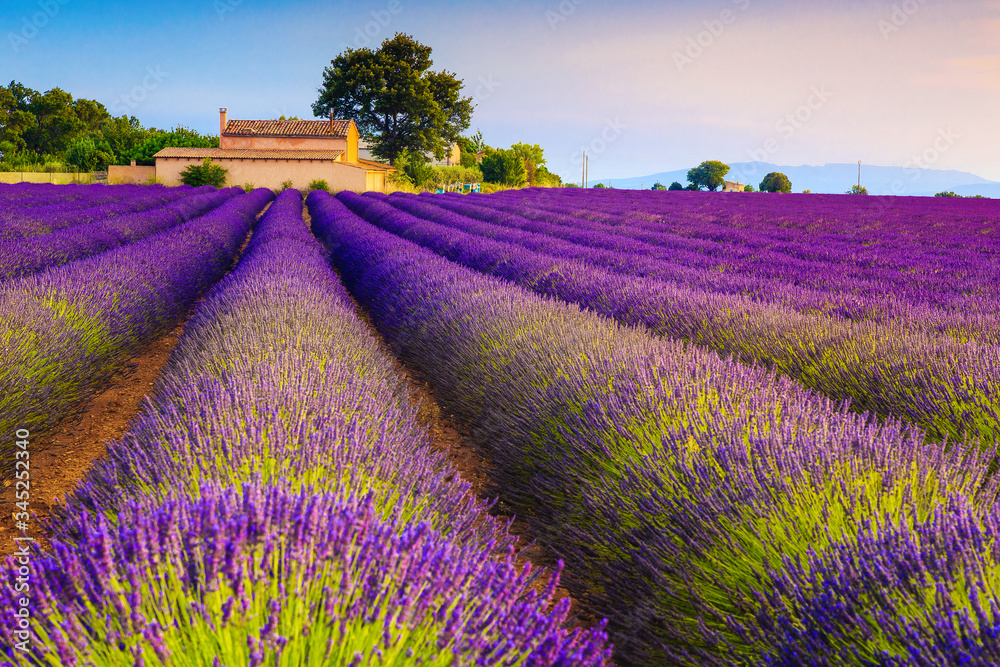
222	122
331	122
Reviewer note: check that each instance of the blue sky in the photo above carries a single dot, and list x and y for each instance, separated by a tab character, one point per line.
643	86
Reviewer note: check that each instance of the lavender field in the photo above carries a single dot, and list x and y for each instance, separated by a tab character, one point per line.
750	429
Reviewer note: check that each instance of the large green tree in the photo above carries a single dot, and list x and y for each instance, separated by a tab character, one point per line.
395	99
710	174
776	182
15	119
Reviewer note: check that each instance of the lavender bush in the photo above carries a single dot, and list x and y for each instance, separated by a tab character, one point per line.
266	576
276	503
945	385
94	203
35	253
67	330
672	481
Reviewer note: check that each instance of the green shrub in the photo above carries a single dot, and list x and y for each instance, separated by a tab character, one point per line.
204	174
504	167
414	167
285	185
248	187
488	188
86	155
457	174
319	184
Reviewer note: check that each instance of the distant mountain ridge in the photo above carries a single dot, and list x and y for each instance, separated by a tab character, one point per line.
837	178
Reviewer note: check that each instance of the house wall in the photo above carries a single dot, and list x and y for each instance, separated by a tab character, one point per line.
287	143
451	157
352	143
375	181
138	175
272	173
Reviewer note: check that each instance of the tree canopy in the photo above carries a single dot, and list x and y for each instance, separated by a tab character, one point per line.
37	128
857	190
504	167
776	182
710	174
396	101
675	186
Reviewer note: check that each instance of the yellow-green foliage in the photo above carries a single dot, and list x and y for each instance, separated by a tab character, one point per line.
37	337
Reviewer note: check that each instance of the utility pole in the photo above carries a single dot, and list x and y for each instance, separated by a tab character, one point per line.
859	175
583	170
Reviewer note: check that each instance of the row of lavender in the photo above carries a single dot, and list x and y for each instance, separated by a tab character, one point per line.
97	204
905	248
21	197
67	330
945	290
277	503
948	387
32	254
714	512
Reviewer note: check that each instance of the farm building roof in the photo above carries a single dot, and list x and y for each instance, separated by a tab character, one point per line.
287	128
250	153
371	164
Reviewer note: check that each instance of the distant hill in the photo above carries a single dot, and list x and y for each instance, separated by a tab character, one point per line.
837	178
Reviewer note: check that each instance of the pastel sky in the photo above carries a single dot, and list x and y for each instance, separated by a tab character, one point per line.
644	87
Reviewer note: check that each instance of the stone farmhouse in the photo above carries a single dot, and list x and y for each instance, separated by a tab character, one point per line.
267	153
730	186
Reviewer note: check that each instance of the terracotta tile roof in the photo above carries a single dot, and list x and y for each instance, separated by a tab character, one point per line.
287	128
371	164
250	153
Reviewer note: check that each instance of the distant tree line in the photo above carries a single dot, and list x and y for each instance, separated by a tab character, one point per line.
52	131
949	193
711	175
